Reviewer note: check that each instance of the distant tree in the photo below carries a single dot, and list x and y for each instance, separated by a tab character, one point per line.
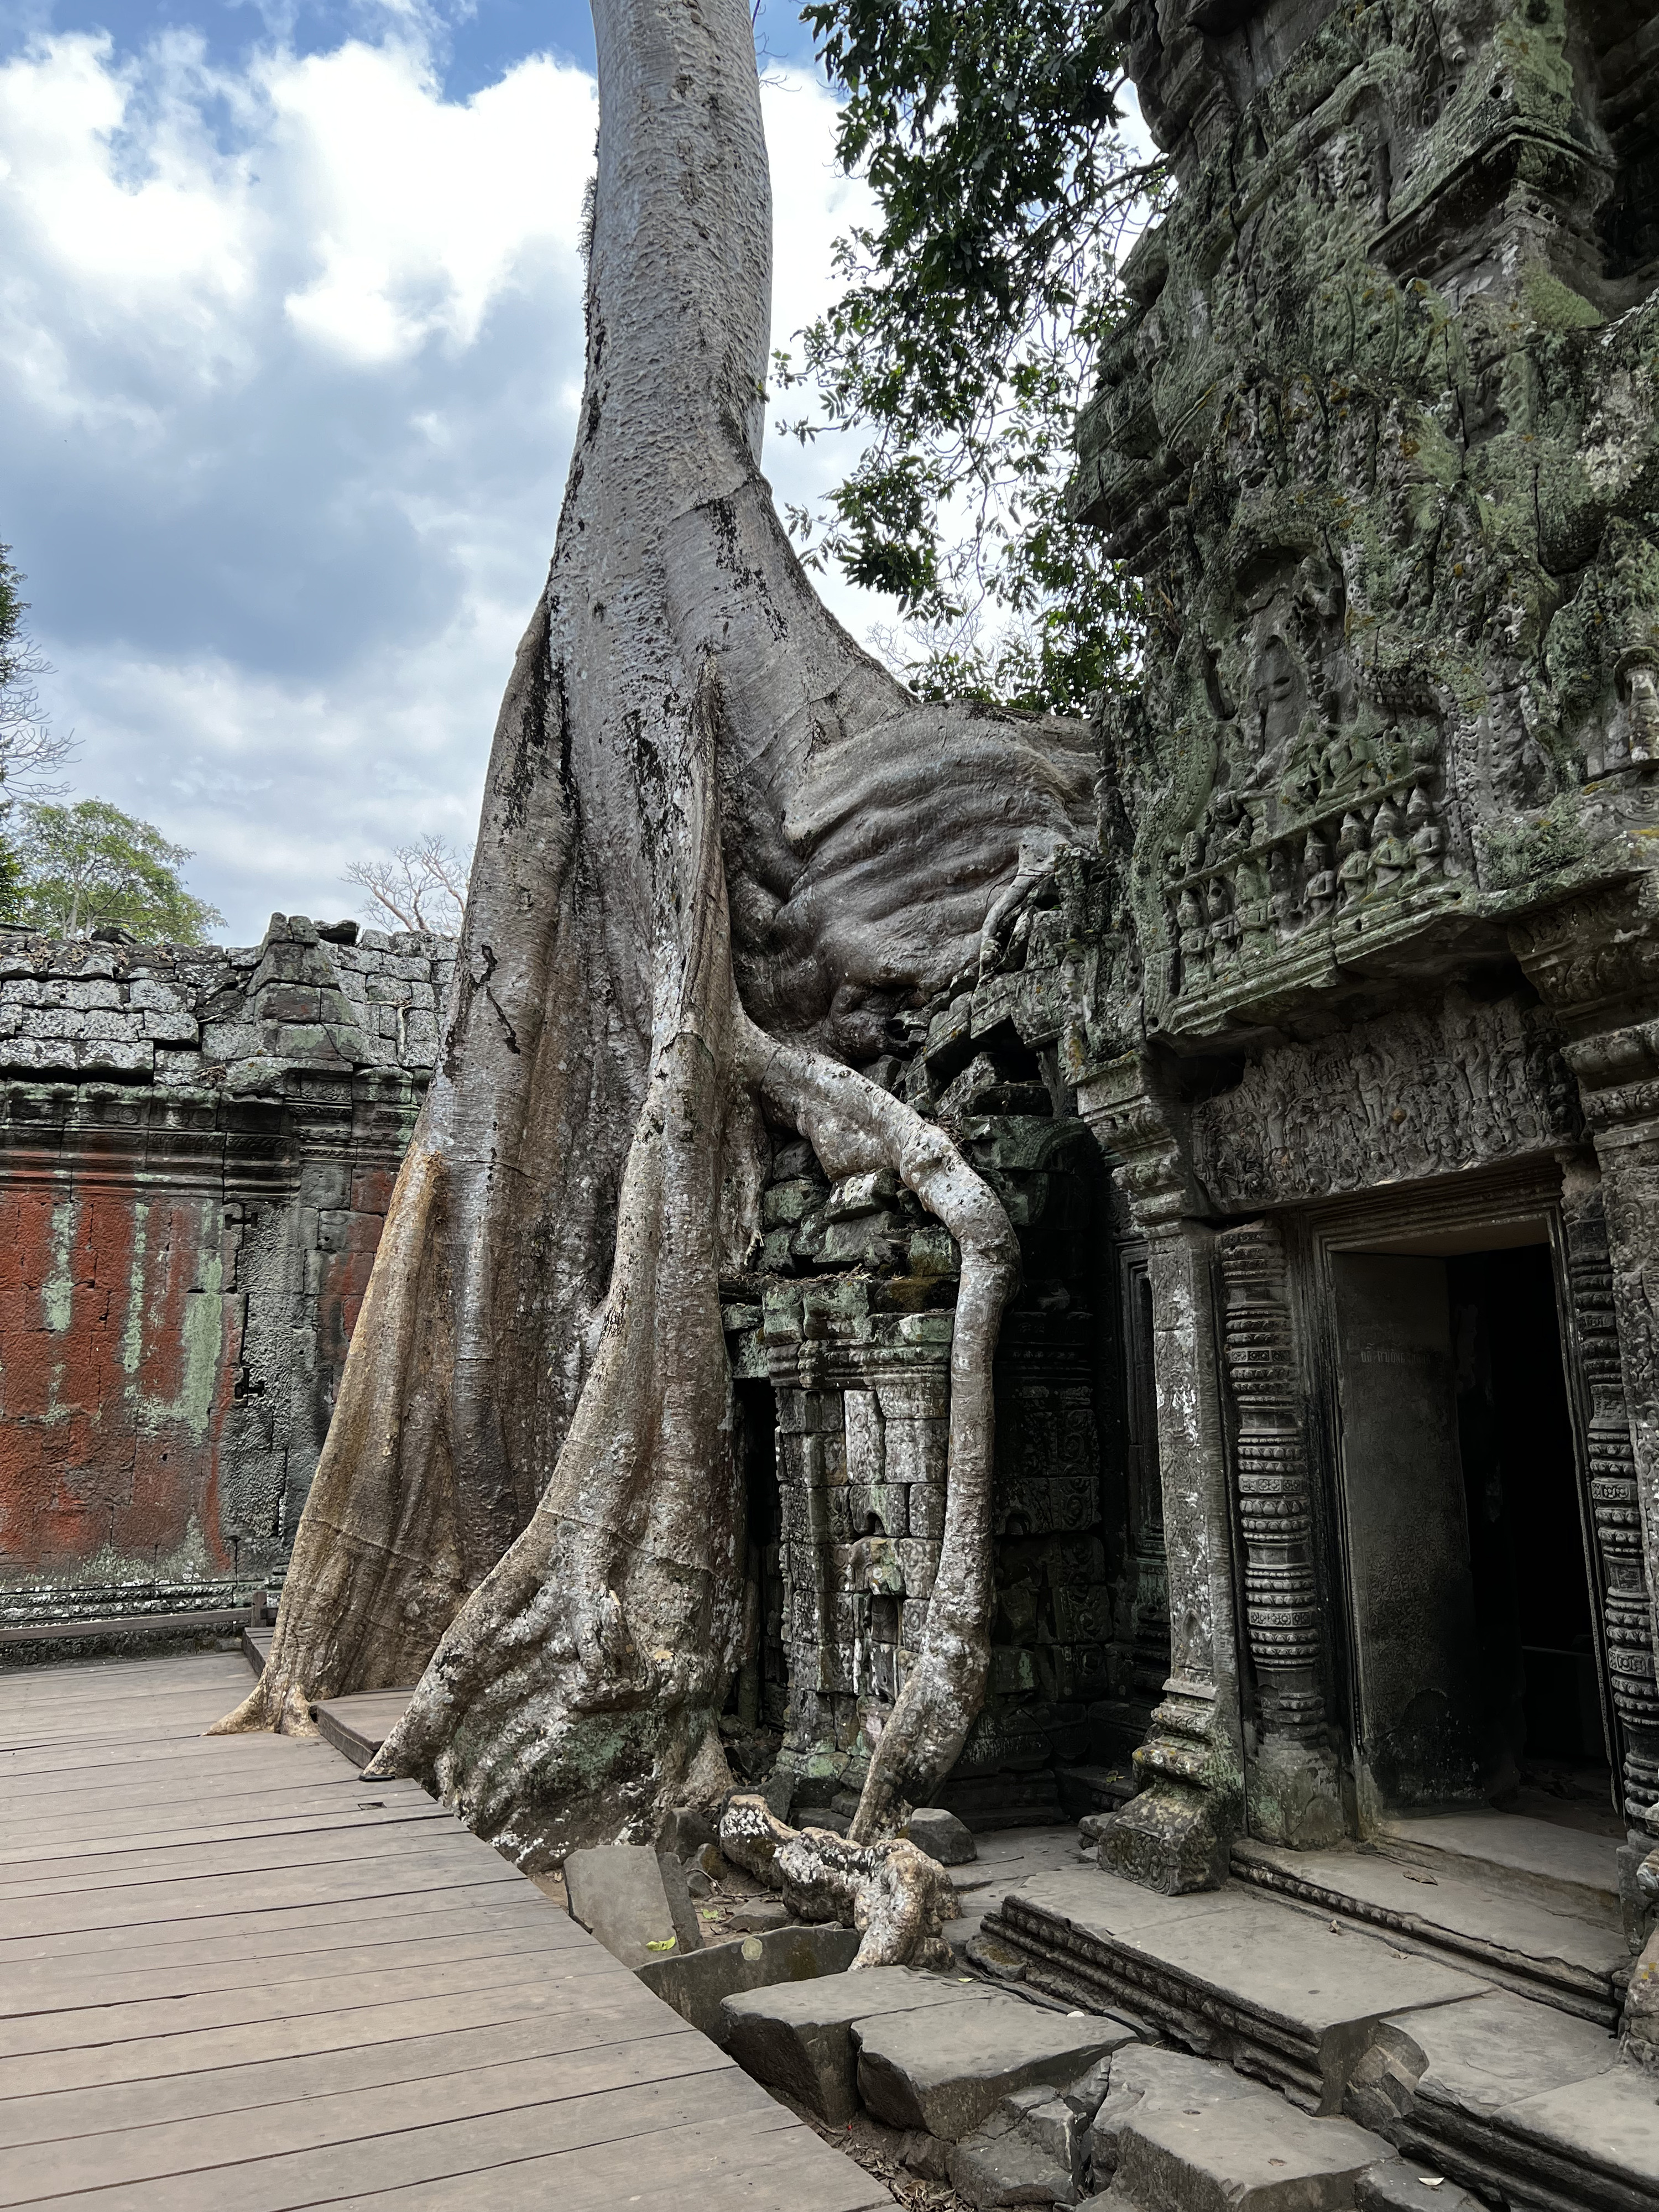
89	865
422	886
29	749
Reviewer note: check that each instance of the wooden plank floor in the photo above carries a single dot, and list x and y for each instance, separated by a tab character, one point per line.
232	1973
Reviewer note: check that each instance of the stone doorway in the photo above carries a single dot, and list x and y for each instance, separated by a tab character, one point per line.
1474	1616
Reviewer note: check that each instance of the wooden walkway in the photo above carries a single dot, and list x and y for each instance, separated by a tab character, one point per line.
231	1973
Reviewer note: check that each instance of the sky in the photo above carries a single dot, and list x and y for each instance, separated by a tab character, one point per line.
290	350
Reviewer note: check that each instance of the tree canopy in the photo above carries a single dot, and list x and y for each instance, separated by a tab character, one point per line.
88	865
992	139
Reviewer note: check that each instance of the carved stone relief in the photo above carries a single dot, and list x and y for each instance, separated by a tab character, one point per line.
1293	1794
1407	1095
1615	1505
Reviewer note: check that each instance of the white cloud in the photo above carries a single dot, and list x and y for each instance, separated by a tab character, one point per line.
291	356
426	210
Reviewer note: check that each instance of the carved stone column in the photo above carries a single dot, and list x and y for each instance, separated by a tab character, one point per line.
1174	1836
1595	961
1293	1792
1615	1502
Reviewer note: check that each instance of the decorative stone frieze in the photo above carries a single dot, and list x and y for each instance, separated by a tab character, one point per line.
1348	1112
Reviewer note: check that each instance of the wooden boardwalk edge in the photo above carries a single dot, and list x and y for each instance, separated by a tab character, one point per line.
232	1972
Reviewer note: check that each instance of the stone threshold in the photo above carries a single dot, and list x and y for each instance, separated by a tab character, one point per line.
1515	2099
1557	1943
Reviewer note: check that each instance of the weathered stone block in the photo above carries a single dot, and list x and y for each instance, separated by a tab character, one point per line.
941	1835
918	1452
920	1561
799	2038
884	1501
697	1986
1190	2149
946	2073
615	1891
926	1511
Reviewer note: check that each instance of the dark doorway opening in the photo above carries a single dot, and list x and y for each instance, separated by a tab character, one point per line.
1535	1606
1476	1656
759	1693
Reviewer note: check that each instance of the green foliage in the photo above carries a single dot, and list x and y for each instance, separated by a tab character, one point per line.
988	129
89	864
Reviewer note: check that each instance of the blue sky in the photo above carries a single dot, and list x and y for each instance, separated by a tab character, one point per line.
290	356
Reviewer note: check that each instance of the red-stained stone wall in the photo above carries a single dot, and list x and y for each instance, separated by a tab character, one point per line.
187	1225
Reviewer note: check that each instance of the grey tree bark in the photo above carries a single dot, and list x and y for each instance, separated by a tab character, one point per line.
719	844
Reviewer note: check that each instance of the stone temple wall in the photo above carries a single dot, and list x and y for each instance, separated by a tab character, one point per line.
197	1146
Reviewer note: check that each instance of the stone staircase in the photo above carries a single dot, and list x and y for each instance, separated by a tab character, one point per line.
1469	2030
1525	1904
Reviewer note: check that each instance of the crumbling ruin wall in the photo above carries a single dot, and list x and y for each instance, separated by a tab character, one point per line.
197	1146
840	1333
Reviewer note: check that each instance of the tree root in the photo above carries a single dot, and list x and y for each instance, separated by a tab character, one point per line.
896	1895
855	1125
574	1697
351	1617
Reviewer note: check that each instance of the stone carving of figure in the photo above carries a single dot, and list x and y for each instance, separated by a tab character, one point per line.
1391	851
1278	691
1638	689
1428	840
1319	878
1193	936
1283	888
1353	873
1224	928
1254	916
1335	759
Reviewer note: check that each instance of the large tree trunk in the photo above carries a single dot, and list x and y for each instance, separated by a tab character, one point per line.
718	843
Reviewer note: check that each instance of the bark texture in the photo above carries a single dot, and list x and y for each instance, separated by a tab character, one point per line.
719	845
896	1896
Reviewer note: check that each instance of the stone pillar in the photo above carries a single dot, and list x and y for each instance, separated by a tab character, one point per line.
1624	1119
1293	1790
1174	1836
1596	962
817	1616
1615	1500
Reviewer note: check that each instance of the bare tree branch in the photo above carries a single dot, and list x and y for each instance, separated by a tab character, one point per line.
422	887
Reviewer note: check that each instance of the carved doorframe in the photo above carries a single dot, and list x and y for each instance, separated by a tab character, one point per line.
1468	1213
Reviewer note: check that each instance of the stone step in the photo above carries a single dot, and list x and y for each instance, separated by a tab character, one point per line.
1517	2100
616	1891
1176	2135
1556	1865
1564	1946
945	2069
797	2037
356	1726
697	1983
1261	1983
